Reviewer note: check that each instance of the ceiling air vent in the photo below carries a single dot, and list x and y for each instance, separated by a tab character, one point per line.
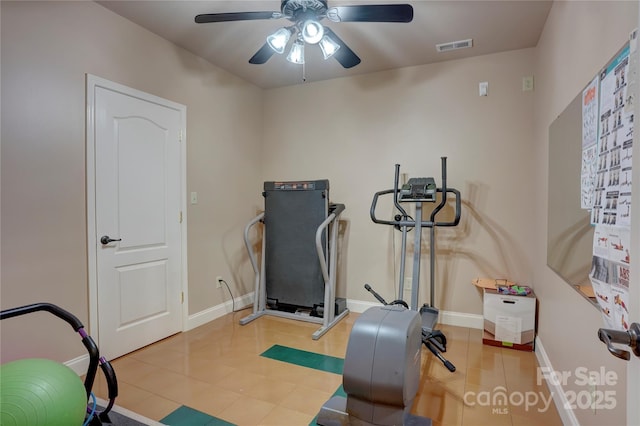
454	45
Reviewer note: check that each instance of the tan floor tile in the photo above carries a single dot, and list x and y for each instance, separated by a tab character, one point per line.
213	401
306	400
240	358
484	356
524	380
246	411
184	389
454	332
539	410
260	365
298	374
486	404
131	369
437	423
241	382
452	385
322	381
129	395
280	416
485	378
203	369
475	335
485	415
273	391
434	369
160	356
154	407
161	378
438	403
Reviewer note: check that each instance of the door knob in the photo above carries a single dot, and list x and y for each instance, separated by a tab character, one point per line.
106	239
630	338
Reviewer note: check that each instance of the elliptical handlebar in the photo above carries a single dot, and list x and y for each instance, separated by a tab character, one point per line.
411	223
443	200
396	185
376	295
381	299
373	208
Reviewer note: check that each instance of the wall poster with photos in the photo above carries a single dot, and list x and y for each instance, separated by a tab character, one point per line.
606	180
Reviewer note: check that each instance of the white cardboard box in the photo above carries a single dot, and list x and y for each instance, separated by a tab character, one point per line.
509	321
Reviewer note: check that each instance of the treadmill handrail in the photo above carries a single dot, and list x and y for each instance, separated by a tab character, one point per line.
247	243
336	208
319	246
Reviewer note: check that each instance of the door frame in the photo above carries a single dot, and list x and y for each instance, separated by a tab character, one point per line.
93	82
633	366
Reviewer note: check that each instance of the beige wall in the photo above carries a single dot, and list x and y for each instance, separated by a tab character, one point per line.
354	130
351	131
46	50
579	38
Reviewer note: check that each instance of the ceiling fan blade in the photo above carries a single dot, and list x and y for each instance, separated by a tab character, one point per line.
262	55
235	16
344	55
371	13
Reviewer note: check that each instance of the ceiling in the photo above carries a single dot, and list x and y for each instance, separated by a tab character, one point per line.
494	26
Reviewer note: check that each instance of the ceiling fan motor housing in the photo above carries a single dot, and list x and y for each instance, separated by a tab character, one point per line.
296	10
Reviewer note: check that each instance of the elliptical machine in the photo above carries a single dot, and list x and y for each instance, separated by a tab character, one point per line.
382	364
419	191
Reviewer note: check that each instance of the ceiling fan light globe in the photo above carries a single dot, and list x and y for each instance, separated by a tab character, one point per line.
312	31
296	54
328	47
278	40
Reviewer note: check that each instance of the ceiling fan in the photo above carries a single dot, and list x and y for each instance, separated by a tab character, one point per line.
306	16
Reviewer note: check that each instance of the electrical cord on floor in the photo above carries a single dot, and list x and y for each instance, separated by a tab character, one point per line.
233	301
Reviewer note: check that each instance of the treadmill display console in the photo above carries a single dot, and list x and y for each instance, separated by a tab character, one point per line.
293	186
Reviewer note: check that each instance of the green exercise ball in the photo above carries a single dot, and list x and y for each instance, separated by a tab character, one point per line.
39	392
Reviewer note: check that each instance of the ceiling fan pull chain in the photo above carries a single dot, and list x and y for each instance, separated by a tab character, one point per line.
304	73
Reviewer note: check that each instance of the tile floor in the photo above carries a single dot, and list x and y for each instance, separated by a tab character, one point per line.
217	369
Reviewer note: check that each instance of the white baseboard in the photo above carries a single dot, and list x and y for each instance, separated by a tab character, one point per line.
559	397
459	319
215	312
79	365
358	306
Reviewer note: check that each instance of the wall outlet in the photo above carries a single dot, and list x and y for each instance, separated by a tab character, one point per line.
218	281
407	283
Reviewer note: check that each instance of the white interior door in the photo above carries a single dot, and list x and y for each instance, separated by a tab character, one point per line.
137	233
